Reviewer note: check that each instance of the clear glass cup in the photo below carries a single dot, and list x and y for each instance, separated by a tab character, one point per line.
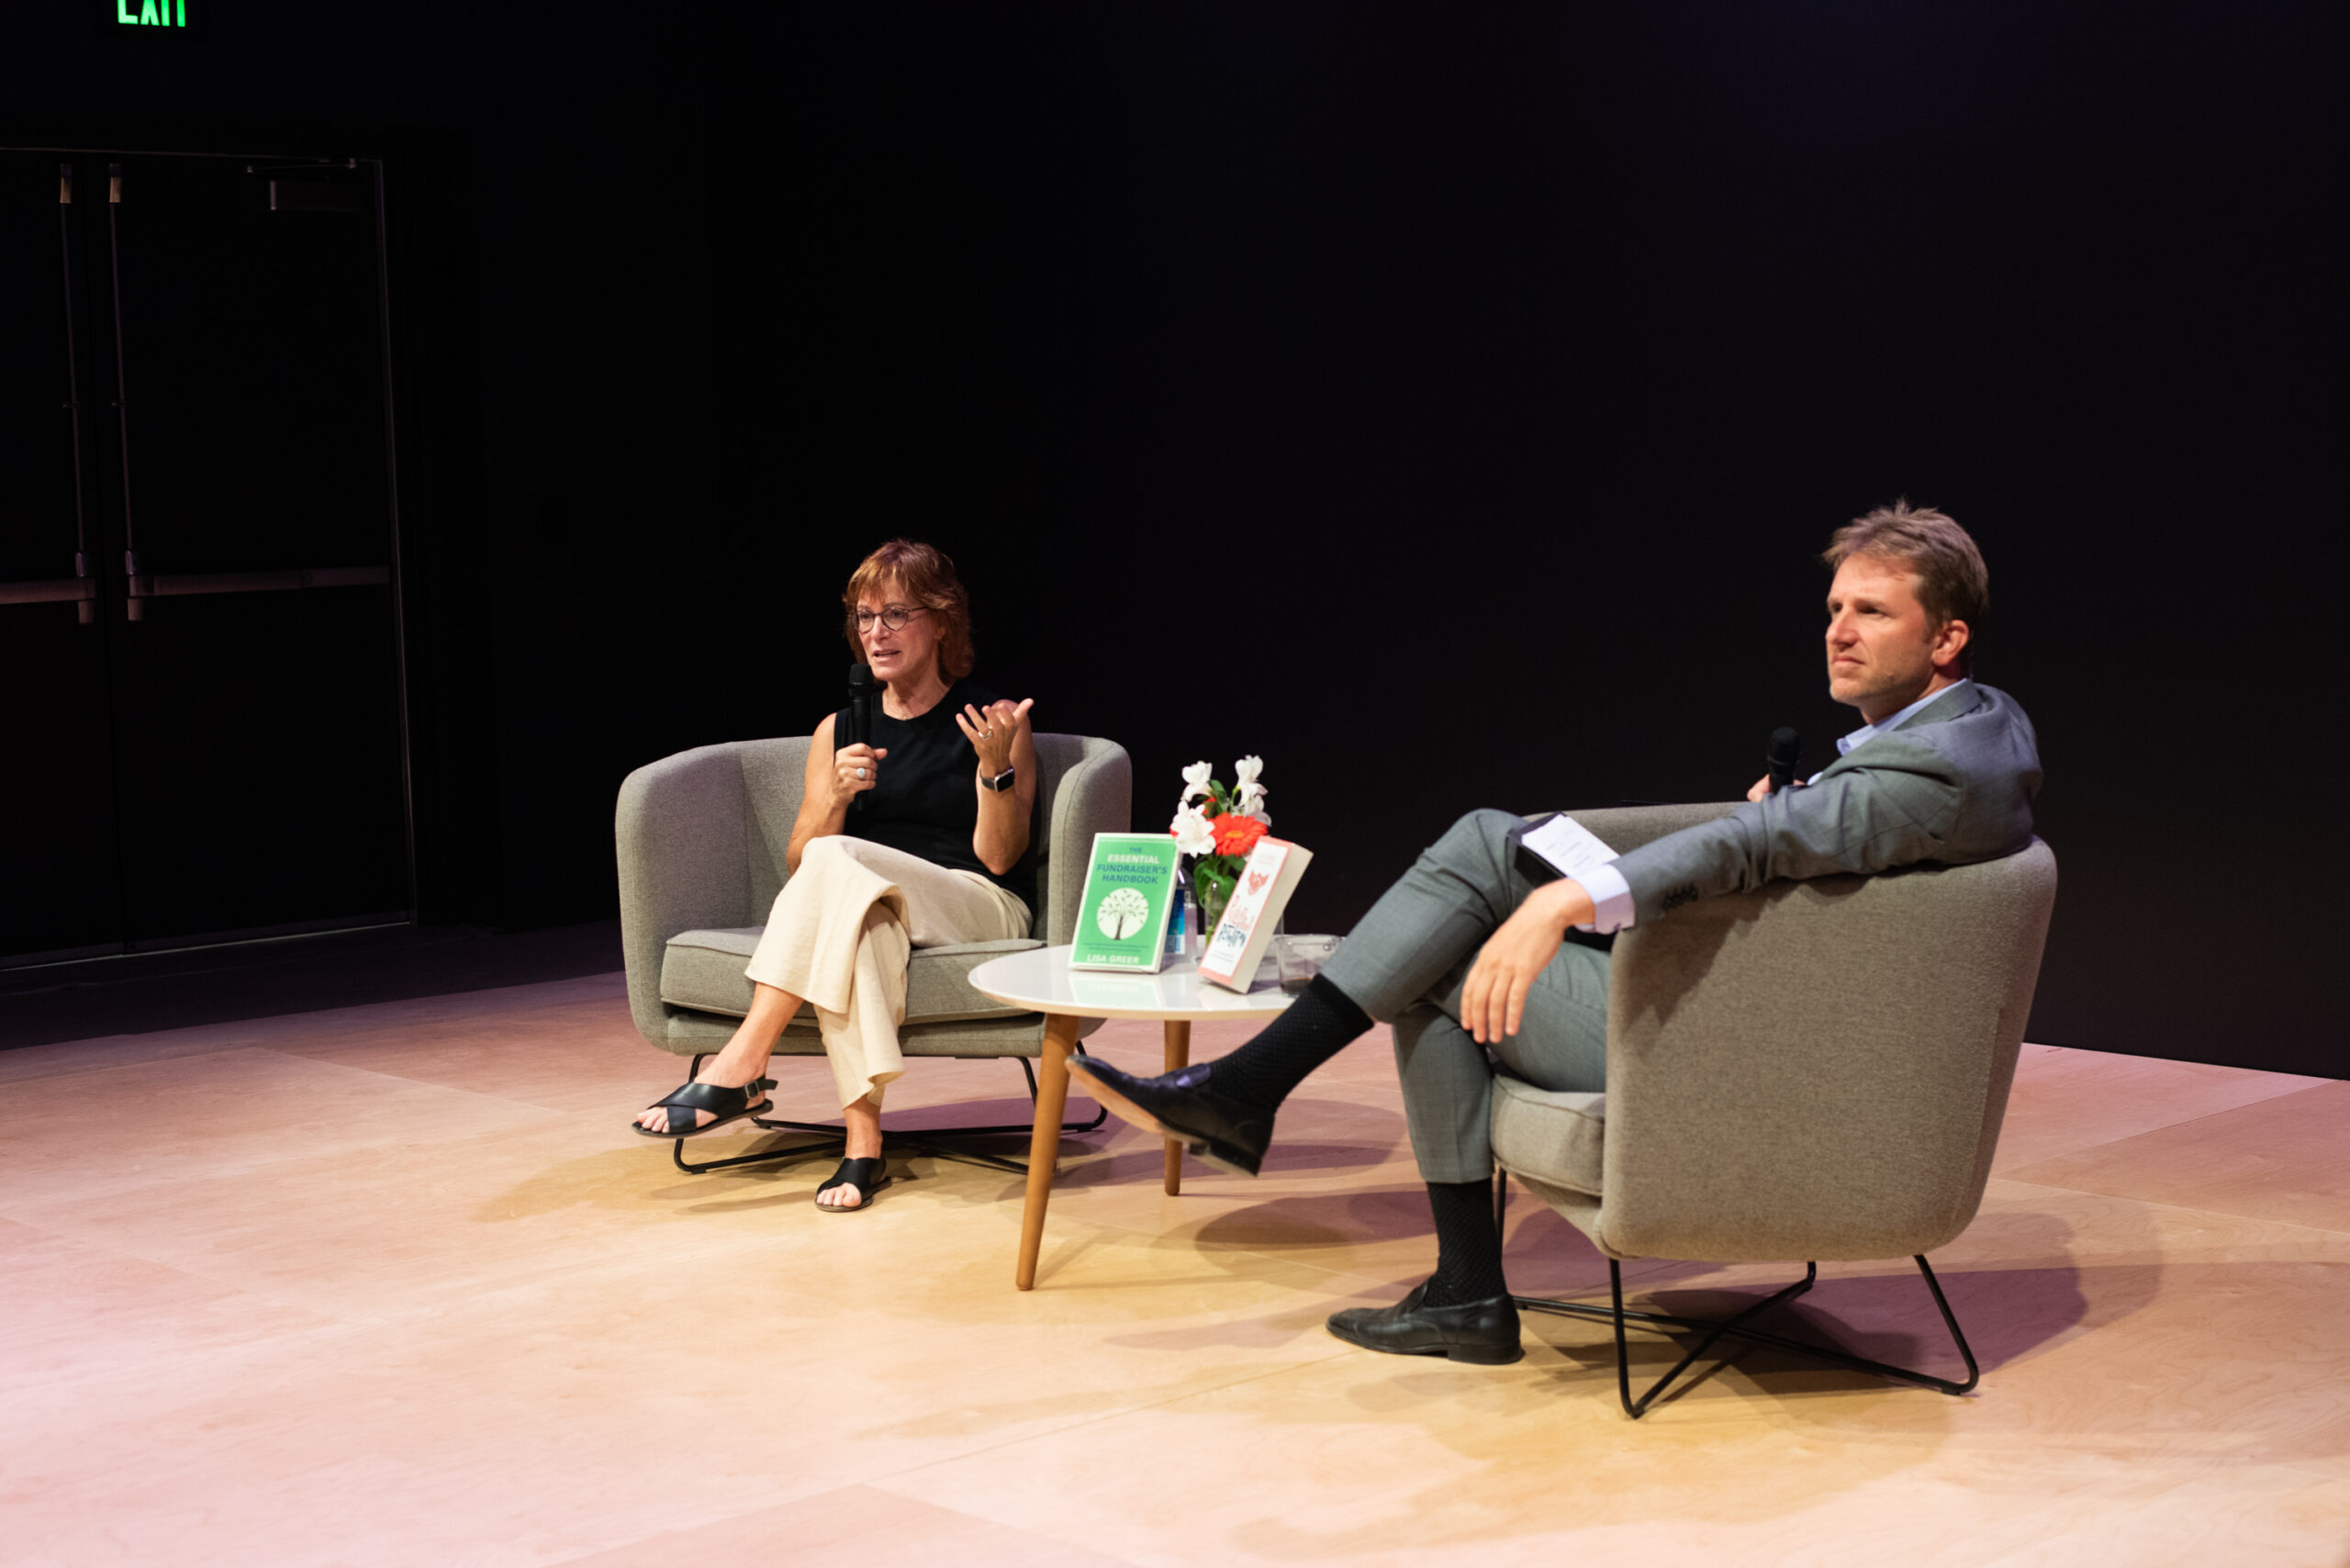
1300	958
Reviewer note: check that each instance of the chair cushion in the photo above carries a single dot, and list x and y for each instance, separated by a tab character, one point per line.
703	970
1553	1135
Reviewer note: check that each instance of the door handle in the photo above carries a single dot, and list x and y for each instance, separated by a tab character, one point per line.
57	590
167	586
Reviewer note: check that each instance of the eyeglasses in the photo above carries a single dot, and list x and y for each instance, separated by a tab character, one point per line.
894	617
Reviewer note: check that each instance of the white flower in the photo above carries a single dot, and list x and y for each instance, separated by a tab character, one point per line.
1195	782
1247	769
1192	833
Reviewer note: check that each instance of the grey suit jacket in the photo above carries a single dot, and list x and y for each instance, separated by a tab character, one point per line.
1952	785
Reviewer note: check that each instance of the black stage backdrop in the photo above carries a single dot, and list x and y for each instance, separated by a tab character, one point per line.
1445	406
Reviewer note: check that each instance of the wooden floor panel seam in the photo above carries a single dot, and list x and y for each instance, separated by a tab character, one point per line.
2163	1203
2186	1120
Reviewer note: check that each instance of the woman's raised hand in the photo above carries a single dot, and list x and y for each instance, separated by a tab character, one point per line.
991	731
856	769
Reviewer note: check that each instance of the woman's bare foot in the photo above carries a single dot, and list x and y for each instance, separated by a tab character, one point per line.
743	1059
861	1127
733	1067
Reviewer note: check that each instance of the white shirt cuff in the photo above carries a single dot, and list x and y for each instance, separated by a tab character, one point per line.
1611	900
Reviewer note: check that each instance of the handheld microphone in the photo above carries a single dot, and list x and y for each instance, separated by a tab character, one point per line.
860	713
1784	747
860	705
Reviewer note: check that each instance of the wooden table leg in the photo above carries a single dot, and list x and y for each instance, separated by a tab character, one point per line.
1044	1143
1179	1055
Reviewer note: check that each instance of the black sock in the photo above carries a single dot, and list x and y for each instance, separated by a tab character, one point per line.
1316	1027
1468	1243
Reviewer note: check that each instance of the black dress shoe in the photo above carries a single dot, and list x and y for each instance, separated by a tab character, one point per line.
1485	1332
1219	1130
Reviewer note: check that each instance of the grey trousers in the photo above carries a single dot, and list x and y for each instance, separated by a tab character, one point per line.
1405	962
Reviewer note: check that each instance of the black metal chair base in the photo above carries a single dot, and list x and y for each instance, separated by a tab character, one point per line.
1715	1328
937	1142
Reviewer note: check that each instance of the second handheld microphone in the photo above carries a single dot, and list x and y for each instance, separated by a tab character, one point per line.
1781	753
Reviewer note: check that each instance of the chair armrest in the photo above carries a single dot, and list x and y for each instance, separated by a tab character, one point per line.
1627	828
1096	795
1819	1069
680	831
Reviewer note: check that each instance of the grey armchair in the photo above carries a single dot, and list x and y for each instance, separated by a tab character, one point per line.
701	838
1810	1071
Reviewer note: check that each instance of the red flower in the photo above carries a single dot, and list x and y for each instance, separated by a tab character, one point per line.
1237	834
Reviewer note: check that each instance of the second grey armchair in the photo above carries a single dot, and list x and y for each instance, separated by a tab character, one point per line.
1810	1071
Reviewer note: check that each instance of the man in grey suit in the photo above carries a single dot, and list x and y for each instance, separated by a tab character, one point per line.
1472	964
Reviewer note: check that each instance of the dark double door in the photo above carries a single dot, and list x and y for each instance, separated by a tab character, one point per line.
199	637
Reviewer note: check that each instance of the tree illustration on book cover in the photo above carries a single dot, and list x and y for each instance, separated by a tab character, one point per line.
1122	913
1219	832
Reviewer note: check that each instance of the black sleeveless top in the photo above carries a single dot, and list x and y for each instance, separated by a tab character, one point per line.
927	801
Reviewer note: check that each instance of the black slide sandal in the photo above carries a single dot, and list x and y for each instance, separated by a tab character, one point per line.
866	1175
730	1106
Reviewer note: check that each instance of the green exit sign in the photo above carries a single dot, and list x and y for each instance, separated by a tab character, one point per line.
183	17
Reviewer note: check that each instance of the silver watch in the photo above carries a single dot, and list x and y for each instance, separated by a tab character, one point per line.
1001	781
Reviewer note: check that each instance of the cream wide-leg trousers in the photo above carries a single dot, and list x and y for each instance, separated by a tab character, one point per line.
841	930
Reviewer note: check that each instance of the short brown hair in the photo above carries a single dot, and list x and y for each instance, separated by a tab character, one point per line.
923	574
1952	582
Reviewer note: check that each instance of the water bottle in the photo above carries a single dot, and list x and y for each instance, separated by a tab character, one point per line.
1181	917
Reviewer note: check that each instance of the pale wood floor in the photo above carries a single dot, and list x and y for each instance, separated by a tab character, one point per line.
392	1285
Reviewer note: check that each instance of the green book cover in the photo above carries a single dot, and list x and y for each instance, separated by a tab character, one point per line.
1129	888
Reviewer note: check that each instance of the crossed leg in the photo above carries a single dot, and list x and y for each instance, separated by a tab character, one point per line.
744	1057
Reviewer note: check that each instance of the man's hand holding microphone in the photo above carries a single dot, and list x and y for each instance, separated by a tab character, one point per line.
1781	753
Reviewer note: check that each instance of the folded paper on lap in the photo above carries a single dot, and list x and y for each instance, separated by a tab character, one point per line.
1561	847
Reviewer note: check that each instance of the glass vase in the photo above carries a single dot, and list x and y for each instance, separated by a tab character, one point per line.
1211	893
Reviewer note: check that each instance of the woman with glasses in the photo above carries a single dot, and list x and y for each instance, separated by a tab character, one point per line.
917	839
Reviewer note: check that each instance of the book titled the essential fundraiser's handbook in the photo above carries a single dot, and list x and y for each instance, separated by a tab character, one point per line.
1129	888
